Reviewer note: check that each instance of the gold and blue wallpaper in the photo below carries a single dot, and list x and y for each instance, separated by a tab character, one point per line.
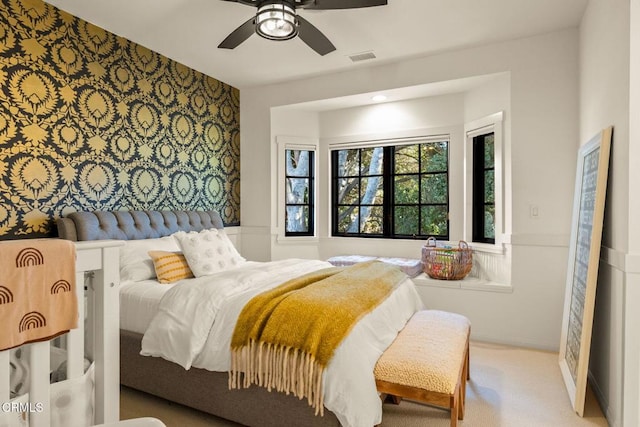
92	121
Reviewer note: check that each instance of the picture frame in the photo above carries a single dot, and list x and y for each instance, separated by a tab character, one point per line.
582	272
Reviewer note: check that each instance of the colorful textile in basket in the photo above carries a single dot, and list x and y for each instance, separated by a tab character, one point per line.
446	262
37	290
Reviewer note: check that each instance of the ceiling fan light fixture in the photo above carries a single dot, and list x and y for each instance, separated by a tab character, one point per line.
276	21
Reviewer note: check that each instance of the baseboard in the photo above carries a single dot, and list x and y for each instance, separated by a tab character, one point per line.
603	401
553	348
620	260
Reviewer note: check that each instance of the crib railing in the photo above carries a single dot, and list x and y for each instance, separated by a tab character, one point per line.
38	405
102	346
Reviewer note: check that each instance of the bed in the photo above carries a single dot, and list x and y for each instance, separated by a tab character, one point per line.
204	389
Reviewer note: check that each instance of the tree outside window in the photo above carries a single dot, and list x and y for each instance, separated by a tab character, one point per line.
359	185
299	195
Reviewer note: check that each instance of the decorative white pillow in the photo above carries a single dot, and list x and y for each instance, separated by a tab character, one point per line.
209	251
135	262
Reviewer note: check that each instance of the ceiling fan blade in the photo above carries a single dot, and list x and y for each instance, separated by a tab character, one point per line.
313	37
239	35
343	4
247	2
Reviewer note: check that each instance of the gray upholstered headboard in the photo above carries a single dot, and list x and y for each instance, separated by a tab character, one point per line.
133	225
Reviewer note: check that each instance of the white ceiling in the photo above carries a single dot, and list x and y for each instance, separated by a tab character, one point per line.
189	31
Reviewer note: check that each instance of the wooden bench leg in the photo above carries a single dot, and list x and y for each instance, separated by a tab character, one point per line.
461	402
467	362
391	398
455	407
465	377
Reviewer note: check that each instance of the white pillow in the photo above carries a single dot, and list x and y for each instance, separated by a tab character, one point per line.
209	251
135	262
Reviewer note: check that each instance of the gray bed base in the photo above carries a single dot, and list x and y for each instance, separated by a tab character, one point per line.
197	388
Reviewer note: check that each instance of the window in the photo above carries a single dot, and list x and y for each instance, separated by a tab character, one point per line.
391	191
299	192
297	165
484	207
484	211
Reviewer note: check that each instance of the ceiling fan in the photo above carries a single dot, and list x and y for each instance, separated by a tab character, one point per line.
277	20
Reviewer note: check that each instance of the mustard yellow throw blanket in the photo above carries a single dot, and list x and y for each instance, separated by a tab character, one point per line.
285	337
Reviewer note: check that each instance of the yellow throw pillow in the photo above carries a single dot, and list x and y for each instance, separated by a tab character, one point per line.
170	266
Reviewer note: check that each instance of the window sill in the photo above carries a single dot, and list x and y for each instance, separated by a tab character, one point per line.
468	283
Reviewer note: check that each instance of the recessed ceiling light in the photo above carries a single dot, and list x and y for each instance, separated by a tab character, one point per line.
379	98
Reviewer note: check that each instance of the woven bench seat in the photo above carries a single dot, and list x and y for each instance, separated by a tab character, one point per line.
428	362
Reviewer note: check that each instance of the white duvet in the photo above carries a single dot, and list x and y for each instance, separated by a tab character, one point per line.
196	318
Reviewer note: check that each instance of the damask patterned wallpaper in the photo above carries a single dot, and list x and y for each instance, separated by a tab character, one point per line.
92	121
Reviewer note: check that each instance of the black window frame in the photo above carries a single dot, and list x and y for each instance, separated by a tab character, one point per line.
310	199
388	189
479	201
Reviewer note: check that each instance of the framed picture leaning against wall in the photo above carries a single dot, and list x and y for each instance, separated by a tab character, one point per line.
584	258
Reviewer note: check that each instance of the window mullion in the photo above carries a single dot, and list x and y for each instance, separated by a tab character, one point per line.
312	196
478	185
420	148
388	191
334	191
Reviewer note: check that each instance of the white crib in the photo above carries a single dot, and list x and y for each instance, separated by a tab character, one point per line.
99	259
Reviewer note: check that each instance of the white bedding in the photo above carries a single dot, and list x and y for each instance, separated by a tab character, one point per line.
195	321
139	302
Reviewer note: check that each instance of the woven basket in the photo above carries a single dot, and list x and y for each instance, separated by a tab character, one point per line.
446	263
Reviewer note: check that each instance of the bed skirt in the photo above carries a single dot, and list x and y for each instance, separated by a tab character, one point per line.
209	391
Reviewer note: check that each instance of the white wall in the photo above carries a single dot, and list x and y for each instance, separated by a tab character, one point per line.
483	101
421	113
606	99
424	116
544	138
303	125
255	170
632	320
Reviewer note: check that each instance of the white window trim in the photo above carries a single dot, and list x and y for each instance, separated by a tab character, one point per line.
284	143
380	139
492	123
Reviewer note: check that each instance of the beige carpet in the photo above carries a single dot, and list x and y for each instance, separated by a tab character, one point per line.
509	387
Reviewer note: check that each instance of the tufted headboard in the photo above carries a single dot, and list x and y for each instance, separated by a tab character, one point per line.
133	225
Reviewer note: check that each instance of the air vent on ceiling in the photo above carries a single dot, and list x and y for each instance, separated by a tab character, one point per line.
364	56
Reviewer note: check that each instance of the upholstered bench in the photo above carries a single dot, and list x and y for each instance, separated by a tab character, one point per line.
428	362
